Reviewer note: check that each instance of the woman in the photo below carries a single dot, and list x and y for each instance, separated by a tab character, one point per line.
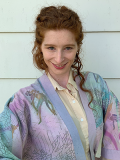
61	116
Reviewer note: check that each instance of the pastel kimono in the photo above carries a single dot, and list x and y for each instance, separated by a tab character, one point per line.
35	124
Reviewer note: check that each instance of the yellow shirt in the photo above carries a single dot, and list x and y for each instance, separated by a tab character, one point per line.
70	98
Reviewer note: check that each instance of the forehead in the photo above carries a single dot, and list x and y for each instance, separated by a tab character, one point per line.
59	37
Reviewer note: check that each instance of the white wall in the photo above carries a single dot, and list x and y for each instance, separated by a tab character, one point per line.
100	51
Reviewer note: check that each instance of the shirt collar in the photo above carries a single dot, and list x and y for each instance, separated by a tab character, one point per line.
71	80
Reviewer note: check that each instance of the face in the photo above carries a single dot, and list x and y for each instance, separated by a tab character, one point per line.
59	49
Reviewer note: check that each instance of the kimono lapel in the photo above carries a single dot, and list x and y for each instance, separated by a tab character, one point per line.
90	118
61	109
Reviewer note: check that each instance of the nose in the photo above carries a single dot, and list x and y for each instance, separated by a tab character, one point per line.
59	57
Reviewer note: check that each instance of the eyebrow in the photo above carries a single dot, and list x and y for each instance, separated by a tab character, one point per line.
73	45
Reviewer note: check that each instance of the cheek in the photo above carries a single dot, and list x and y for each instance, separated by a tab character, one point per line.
72	58
46	56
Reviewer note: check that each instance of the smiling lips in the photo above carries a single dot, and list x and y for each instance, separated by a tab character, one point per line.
59	66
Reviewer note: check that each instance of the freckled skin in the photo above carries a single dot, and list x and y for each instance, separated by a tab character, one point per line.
59	48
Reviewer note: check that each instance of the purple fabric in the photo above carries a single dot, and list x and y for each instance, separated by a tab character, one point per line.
90	118
110	154
61	109
36	125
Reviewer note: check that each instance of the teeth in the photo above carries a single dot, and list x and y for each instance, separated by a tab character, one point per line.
60	65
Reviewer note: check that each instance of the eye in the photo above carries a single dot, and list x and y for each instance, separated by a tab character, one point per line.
51	48
68	48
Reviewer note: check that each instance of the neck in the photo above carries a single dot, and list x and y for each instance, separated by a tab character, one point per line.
62	80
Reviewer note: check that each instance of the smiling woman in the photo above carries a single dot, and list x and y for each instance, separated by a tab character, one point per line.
66	114
59	19
59	49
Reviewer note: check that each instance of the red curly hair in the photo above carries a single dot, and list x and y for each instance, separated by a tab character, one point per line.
58	18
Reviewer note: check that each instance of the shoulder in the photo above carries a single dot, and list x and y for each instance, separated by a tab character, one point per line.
94	81
25	96
32	89
92	77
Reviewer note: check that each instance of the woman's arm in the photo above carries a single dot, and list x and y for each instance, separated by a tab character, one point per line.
8	140
111	117
105	100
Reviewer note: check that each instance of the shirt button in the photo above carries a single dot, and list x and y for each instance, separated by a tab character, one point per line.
81	119
73	101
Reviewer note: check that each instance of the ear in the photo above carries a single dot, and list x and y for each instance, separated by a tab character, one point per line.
77	52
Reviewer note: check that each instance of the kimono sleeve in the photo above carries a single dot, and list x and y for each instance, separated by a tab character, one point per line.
111	116
9	142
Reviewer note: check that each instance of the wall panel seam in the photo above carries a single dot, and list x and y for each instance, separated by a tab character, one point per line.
38	77
83	32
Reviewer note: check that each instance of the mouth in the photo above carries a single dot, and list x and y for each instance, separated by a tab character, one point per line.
59	66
